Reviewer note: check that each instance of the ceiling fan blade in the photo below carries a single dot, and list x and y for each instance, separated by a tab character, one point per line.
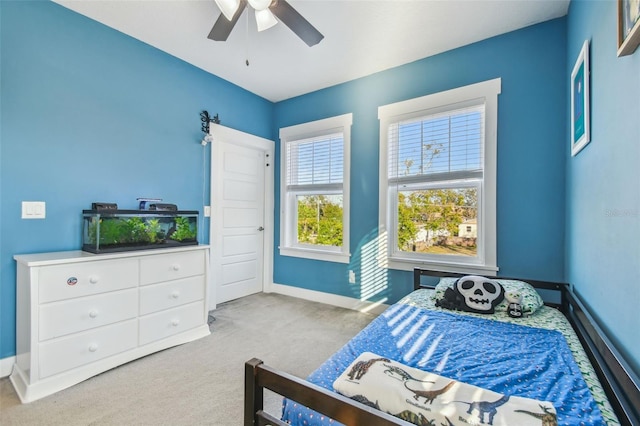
222	28
296	22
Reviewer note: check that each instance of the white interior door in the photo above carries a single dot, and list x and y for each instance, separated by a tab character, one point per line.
241	214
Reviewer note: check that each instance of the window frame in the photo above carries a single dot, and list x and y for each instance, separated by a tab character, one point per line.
486	260
288	207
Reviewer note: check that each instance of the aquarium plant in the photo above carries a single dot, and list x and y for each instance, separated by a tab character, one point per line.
154	231
183	230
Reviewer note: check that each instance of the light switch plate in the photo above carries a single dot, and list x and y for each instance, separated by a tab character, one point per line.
34	210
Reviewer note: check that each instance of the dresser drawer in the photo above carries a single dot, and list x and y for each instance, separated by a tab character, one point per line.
79	349
172	266
61	282
173	321
170	294
66	317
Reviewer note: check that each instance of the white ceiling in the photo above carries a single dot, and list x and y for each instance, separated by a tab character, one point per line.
361	36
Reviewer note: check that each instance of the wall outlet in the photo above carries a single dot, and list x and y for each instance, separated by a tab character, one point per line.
352	276
207	211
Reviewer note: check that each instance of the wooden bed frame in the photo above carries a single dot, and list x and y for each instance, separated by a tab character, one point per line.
620	383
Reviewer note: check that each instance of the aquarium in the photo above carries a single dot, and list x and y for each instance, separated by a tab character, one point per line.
107	231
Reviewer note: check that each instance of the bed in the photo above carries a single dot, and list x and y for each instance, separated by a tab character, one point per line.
553	365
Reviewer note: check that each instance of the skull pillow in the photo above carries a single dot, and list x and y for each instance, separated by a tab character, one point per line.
480	294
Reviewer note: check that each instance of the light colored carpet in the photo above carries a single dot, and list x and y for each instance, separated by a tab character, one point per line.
199	383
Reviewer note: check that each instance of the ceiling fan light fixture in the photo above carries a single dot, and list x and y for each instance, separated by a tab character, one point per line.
277	11
228	7
265	19
260	4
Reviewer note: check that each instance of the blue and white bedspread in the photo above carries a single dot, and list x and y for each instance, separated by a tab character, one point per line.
506	358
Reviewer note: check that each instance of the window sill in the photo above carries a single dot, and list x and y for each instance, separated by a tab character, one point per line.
461	268
323	255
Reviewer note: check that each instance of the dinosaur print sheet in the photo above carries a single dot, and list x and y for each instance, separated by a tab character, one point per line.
503	357
421	397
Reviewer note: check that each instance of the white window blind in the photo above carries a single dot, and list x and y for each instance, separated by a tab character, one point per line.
433	147
315	163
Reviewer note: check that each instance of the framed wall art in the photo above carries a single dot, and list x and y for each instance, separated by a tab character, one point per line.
628	26
580	101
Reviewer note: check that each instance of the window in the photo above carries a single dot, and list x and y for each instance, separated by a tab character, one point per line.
314	195
438	180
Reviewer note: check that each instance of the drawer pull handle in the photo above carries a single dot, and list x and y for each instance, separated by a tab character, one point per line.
93	347
175	294
93	314
175	322
93	280
176	267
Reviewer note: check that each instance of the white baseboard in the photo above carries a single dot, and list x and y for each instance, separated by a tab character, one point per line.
328	298
6	366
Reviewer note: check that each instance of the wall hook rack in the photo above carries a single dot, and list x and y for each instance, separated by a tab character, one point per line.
206	119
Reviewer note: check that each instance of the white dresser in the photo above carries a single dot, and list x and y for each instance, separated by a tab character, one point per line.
80	314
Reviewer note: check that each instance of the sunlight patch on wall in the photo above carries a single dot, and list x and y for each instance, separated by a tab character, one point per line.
373	275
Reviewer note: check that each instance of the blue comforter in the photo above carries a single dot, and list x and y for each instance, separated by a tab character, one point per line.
506	358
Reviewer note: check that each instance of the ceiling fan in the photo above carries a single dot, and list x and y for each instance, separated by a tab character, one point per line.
266	13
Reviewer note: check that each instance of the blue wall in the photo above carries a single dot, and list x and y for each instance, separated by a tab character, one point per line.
531	156
603	180
90	114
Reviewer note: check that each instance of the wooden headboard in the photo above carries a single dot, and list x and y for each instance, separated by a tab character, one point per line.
554	287
618	380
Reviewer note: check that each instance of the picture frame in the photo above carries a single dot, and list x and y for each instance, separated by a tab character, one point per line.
628	26
580	120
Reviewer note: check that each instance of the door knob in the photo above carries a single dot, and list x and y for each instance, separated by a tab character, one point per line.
261	229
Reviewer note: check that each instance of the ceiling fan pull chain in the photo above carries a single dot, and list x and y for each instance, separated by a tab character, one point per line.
247	42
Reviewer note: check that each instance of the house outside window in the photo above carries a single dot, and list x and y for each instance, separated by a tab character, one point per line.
438	180
314	194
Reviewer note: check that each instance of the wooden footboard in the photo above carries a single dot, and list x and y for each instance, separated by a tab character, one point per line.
258	377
